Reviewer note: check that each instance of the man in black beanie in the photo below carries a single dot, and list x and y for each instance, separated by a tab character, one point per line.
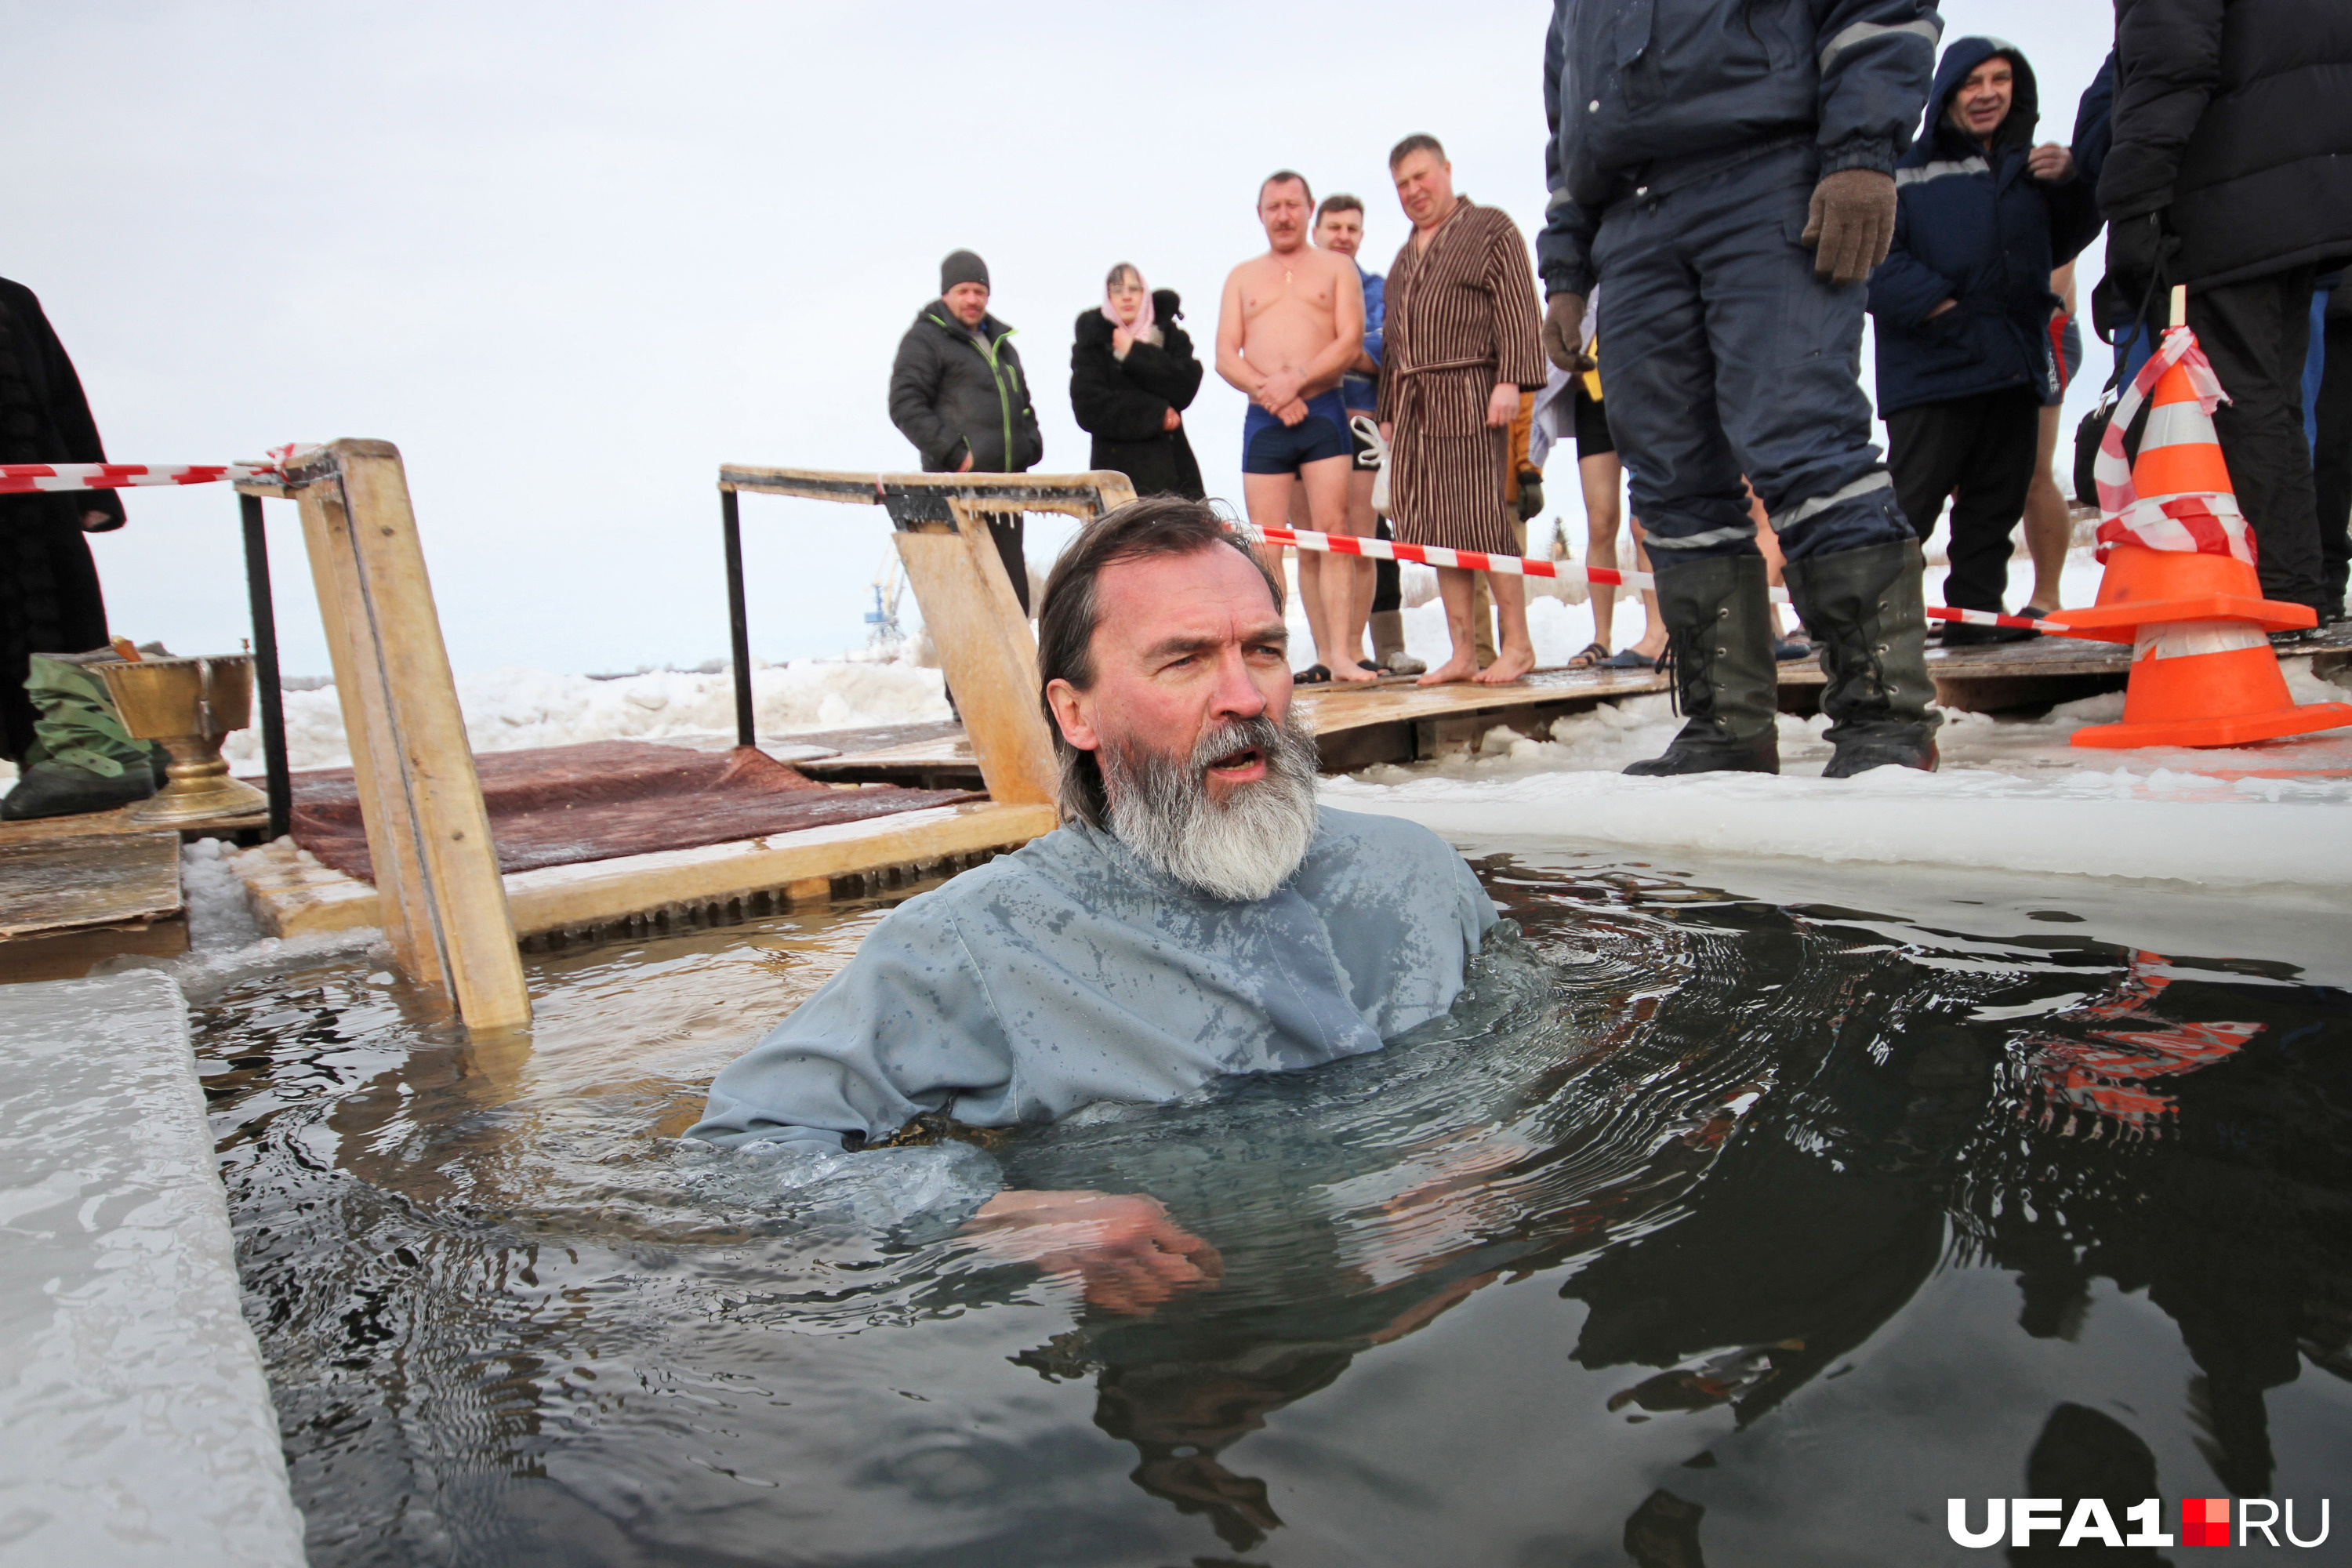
956	391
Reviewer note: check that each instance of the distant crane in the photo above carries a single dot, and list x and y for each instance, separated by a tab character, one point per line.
883	631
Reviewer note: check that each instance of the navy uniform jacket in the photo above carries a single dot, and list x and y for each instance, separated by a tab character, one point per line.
1971	225
1635	88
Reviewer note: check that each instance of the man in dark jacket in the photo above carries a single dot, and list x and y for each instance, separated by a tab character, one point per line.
1962	304
956	391
1699	149
2230	172
2331	453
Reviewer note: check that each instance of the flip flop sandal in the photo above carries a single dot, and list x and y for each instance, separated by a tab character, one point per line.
1313	674
1629	658
1594	653
1368	664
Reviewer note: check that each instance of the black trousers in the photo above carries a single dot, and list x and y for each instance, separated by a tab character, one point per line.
1977	453
1388	582
49	599
1006	532
2258	334
2331	464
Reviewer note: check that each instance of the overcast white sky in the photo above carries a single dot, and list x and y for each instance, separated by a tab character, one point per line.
570	258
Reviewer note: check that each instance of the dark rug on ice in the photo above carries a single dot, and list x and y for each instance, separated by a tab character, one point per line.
562	804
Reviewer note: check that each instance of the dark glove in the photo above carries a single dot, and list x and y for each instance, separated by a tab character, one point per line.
1563	331
2139	251
1850	224
1530	494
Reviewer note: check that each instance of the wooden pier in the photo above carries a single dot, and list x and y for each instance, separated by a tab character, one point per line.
1399	722
75	889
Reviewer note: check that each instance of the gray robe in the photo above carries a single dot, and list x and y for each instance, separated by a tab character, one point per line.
1069	972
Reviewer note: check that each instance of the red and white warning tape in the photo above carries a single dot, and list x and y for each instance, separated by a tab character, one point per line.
18	478
1566	571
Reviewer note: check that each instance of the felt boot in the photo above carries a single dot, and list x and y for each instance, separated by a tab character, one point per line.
1866	611
81	758
1388	645
1719	644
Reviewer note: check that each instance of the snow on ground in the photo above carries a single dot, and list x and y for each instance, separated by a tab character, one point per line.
2011	795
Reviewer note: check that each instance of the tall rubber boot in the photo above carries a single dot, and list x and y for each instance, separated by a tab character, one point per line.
81	758
1866	609
1719	642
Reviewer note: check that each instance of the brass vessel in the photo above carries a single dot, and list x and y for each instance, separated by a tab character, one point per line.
191	705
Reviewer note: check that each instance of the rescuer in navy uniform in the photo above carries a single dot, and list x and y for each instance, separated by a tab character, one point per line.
1726	168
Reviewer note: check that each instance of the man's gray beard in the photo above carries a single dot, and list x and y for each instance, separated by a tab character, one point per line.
1241	850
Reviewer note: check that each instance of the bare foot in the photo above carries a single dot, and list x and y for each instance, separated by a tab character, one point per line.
1348	672
1461	667
1508	667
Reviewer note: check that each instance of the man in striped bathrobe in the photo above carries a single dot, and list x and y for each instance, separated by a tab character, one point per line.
1461	354
1726	168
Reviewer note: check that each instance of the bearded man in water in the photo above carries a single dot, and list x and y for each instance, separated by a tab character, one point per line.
1292	322
1196	914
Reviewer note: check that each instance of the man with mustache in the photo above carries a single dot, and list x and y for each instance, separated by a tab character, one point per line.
1196	914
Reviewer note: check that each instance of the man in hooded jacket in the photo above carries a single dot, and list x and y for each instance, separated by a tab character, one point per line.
2230	172
1726	168
957	393
1962	304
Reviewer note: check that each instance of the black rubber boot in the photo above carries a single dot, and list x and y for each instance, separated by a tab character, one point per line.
51	788
1865	610
1719	646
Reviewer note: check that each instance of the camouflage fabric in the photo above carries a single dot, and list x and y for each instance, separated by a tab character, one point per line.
77	723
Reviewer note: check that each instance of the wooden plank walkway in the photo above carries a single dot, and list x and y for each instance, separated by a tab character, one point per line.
1398	721
69	899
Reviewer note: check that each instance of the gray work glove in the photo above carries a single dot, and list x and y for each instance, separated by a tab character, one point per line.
1563	331
1851	224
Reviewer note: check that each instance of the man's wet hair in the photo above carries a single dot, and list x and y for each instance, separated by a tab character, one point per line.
1338	202
1284	177
1419	142
1071	609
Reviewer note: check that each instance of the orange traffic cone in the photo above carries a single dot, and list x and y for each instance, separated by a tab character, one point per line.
2203	671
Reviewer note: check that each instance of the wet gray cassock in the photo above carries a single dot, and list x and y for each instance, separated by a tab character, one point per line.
1069	972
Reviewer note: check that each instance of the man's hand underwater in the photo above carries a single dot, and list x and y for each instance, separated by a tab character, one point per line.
1123	1247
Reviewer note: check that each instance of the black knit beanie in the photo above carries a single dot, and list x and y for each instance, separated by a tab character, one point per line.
962	267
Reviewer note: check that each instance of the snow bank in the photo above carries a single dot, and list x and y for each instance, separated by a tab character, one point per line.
511	709
2011	795
135	1421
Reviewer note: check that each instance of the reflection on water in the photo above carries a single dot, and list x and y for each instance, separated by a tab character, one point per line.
1703	1230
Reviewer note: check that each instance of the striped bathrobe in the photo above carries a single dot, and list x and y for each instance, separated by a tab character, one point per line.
1461	318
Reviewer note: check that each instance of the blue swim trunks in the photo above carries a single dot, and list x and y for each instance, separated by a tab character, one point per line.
1270	446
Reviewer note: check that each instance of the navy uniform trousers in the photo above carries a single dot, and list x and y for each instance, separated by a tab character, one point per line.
1725	356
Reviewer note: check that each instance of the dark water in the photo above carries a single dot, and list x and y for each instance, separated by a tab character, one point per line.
1709	1231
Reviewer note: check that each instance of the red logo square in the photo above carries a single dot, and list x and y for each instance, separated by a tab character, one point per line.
2205	1521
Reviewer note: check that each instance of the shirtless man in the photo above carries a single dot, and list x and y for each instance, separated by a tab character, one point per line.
1292	321
1339	226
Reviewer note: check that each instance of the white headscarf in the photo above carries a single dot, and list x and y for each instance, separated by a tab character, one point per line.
1142	326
